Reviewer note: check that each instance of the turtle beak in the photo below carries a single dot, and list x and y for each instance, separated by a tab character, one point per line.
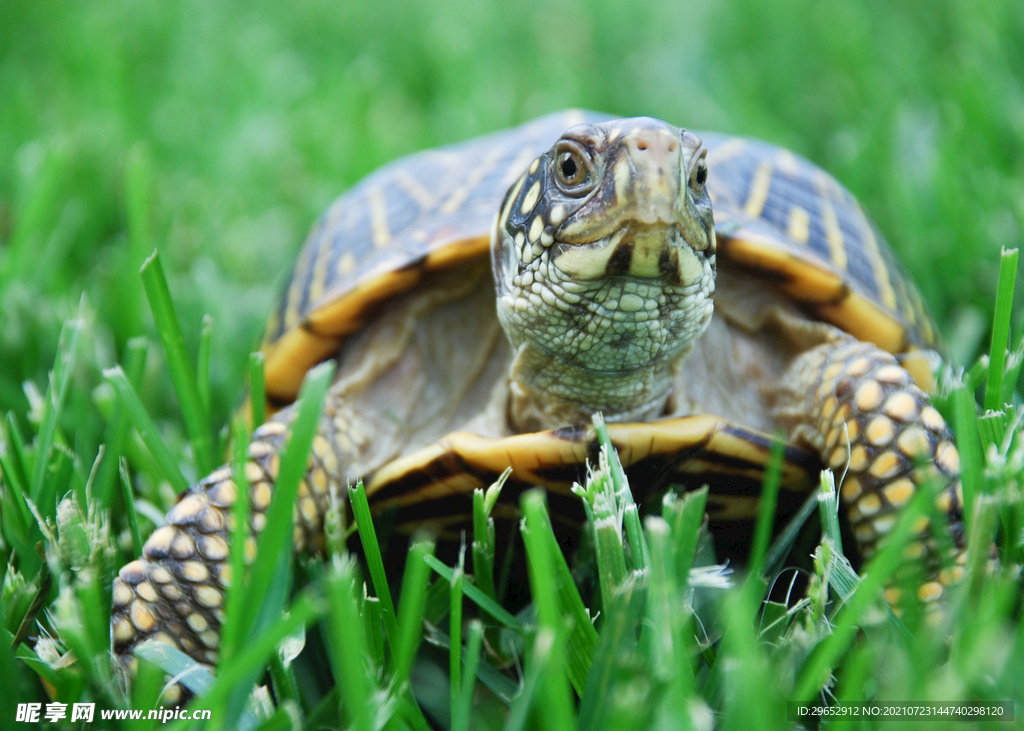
659	209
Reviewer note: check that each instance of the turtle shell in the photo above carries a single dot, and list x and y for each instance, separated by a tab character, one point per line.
778	217
782	224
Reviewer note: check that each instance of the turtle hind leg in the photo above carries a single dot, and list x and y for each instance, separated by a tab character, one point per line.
175	592
870	423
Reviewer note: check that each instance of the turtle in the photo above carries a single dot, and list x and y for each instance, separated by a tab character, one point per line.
484	300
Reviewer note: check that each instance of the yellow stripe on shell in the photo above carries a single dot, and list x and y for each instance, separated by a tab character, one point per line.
726	151
346	264
412	187
799	224
878	266
294	299
317	281
758	190
833	234
458	197
379	219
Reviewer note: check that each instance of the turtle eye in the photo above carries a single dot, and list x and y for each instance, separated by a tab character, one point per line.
573	169
568	168
699	175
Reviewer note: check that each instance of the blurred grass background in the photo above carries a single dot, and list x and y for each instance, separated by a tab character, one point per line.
218	131
249	117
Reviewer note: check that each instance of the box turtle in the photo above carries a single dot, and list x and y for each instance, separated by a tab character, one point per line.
484	300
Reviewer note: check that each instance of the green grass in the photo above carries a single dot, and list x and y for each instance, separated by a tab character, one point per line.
216	132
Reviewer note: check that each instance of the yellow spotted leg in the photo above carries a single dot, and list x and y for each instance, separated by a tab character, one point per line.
862	412
175	592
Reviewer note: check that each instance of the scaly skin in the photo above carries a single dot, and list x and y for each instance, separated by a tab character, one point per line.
175	592
604	286
862	412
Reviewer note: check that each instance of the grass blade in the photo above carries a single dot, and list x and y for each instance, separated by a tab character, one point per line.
234	594
582	641
814	674
663	643
685	514
483	601
55	395
965	421
254	655
455	634
17	458
374	560
462	705
410	617
21	530
602	508
548	643
618	645
348	645
257	388
483	534
766	507
828	509
129	508
784	541
165	461
374	621
1001	330
203	363
992	427
624	496
275	540
524	702
178	365
269	579
1014	361
117	427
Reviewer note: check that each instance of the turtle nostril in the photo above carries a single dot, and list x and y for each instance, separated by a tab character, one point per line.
652	145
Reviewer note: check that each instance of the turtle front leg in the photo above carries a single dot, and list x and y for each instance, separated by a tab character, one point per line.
175	592
862	412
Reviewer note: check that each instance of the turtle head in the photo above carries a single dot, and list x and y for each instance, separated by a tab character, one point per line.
604	262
